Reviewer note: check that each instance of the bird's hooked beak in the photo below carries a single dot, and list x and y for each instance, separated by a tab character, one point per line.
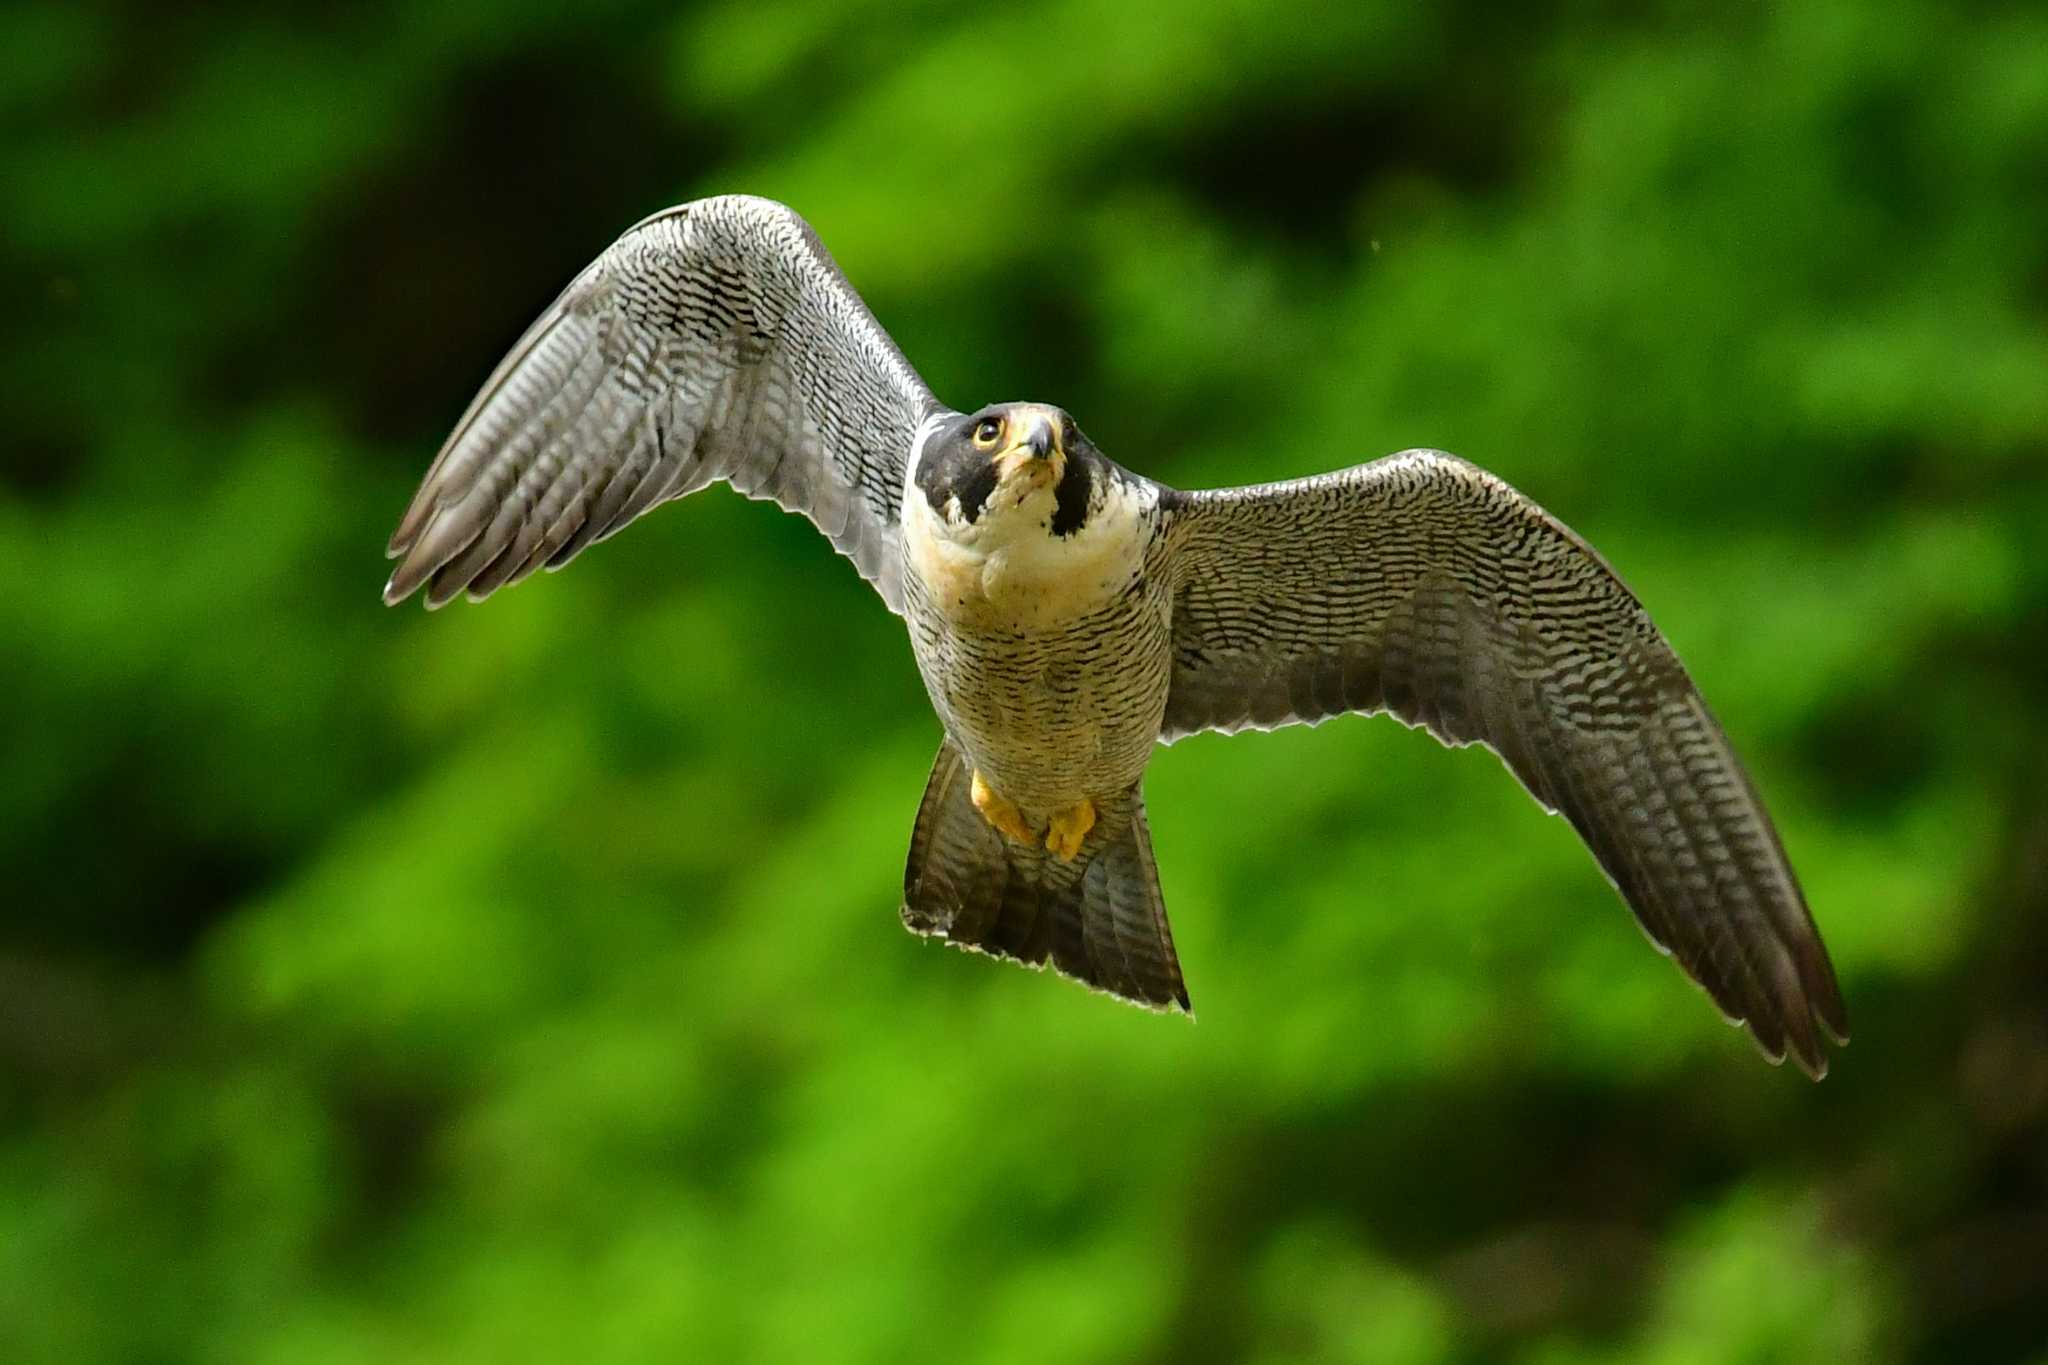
1035	450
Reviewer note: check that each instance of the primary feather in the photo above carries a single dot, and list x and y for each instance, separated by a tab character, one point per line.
714	341
1425	587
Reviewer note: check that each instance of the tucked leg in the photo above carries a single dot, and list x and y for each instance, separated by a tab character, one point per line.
1069	828
1001	812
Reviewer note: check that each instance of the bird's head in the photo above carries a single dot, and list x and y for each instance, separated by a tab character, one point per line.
1008	468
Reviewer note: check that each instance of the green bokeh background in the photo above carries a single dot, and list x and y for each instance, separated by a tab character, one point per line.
523	983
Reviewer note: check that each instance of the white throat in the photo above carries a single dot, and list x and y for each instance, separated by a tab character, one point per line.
1007	569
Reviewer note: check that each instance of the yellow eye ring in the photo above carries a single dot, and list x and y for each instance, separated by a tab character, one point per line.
987	432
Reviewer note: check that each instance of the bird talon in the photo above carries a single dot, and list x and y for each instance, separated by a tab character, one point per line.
1001	812
1069	829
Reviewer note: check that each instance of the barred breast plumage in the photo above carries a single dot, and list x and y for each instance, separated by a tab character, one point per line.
1049	660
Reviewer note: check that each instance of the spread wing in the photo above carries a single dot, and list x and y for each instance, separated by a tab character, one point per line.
715	340
1423	586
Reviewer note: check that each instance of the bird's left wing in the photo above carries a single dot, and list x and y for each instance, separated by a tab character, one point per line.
1426	587
716	340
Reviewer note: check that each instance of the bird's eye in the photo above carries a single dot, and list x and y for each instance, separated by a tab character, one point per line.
987	431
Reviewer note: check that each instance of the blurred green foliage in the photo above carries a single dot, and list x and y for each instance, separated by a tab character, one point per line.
524	983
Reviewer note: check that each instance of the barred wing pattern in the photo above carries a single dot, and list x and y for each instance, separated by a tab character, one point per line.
715	340
1426	587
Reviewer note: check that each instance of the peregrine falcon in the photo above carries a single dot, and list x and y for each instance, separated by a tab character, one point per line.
1067	614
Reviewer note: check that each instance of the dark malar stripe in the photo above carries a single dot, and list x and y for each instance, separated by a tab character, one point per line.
1070	499
975	489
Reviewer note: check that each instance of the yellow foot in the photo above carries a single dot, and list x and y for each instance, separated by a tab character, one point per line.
1069	828
1001	812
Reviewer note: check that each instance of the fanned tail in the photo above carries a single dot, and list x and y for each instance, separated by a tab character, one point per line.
1099	919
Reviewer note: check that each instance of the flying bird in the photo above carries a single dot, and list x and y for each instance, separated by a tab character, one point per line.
1067	614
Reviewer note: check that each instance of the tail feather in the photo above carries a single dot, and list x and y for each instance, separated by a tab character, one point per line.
1099	919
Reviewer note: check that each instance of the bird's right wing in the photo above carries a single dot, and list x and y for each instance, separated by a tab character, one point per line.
716	340
1426	587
